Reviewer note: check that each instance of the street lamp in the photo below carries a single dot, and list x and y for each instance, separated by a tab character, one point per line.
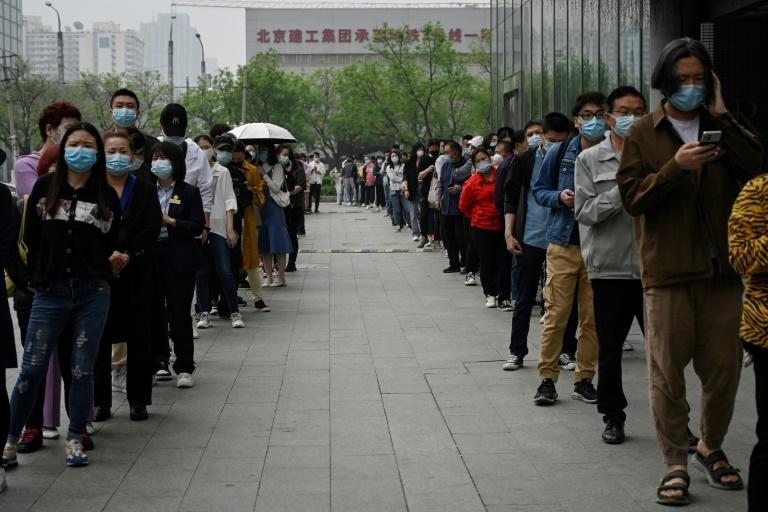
202	61
60	43
170	56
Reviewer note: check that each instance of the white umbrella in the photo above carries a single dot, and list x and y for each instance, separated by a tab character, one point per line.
262	132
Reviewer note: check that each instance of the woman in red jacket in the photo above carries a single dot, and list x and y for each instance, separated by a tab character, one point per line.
477	204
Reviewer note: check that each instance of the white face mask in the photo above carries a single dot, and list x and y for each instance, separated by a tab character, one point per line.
420	153
497	159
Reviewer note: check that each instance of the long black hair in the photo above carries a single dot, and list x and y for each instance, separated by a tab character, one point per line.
664	77
98	173
399	158
173	153
291	156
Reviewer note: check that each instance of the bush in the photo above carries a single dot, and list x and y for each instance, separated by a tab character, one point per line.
328	189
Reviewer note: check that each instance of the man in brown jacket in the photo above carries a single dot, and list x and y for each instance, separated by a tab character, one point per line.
680	193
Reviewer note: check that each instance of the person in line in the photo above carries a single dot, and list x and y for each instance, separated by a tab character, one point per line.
129	315
369	181
608	250
680	193
301	163
274	242
411	187
251	153
477	204
338	184
396	175
243	195
126	113
427	223
501	159
448	202
460	176
381	198
72	225
348	173
566	273
178	255
221	239
296	182
748	253
519	142
317	170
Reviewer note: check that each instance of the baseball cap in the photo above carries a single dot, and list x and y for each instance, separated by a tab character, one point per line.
223	142
173	119
476	141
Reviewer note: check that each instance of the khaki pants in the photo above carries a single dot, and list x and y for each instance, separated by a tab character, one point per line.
566	270
254	278
696	321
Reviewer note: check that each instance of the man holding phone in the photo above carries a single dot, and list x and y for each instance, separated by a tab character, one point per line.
680	192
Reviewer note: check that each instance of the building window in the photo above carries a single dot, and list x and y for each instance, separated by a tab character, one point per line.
609	44
590	66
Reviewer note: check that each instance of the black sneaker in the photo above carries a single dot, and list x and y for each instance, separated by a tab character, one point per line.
546	394
261	307
451	270
163	373
139	413
585	391
87	442
102	413
291	267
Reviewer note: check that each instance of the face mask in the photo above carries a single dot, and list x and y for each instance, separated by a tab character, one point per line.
124	117
208	154
534	141
380	161
263	155
252	154
135	164
594	129
420	153
688	98
162	169
224	157
56	138
623	124
367	161
466	152
118	164
178	140
80	159
284	160
497	159
395	159
493	144
483	167
317	159
548	144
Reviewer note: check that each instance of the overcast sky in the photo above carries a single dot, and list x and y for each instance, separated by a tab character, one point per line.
222	29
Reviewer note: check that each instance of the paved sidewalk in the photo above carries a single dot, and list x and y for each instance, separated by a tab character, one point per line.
374	385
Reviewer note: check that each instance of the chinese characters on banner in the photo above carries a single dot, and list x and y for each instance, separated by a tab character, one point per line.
342	35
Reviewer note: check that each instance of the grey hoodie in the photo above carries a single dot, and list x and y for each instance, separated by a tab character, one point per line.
606	229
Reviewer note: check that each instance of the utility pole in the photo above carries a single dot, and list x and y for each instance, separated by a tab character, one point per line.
202	60
170	56
60	46
9	105
245	94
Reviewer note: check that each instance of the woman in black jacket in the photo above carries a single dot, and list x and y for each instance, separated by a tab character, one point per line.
129	311
177	256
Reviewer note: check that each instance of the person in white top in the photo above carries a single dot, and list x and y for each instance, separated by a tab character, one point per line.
316	172
395	168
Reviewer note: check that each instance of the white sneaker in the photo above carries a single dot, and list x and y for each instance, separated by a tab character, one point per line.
237	321
566	362
541	320
471	281
205	320
184	380
513	363
627	346
490	301
416	238
195	333
119	376
277	283
430	244
50	433
89	428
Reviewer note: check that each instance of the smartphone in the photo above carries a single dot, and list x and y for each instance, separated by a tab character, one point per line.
712	137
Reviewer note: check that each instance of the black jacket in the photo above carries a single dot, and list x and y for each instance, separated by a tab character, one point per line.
8	234
517	187
502	177
184	247
140	222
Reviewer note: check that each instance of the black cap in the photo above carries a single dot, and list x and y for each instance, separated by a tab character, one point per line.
224	142
173	119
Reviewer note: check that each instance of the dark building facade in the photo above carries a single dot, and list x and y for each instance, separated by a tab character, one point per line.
545	52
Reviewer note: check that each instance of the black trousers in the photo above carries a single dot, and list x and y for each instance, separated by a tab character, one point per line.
426	218
471	258
172	301
505	273
369	196
617	303
314	194
490	247
381	198
453	236
757	490
530	264
292	215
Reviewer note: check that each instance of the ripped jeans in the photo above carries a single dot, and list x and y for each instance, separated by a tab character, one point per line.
82	303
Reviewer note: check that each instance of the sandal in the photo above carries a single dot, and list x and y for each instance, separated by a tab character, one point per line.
715	476
677	486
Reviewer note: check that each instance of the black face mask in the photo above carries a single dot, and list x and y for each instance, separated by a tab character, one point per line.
236	164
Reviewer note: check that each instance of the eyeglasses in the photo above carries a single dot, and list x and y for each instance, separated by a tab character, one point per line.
587	115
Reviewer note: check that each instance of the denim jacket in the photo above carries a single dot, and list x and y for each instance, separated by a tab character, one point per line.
547	187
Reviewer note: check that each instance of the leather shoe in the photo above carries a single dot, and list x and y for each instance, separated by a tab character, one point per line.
614	432
102	413
451	270
139	413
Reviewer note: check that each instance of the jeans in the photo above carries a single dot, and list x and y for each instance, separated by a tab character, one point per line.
617	303
399	208
414	210
222	260
530	264
314	194
757	492
84	302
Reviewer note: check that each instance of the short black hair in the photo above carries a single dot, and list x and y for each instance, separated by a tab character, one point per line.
586	98
173	153
505	132
124	92
136	139
468	137
454	145
239	147
664	77
203	136
218	129
533	122
623	91
556	122
507	146
518	137
433	142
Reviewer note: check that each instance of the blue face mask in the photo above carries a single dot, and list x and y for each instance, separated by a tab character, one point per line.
534	141
252	154
623	124
284	160
135	164
80	159
263	155
175	139
224	157
483	167
162	169
124	117
688	98
118	164
594	129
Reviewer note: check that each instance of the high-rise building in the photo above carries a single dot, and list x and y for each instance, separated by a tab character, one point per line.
186	48
10	27
41	50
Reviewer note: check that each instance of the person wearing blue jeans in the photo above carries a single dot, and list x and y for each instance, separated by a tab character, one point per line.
72	224
396	175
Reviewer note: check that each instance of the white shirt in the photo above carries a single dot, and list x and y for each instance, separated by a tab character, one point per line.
199	173
688	130
395	175
316	172
223	199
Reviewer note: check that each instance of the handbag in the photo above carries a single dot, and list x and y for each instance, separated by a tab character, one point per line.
10	286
